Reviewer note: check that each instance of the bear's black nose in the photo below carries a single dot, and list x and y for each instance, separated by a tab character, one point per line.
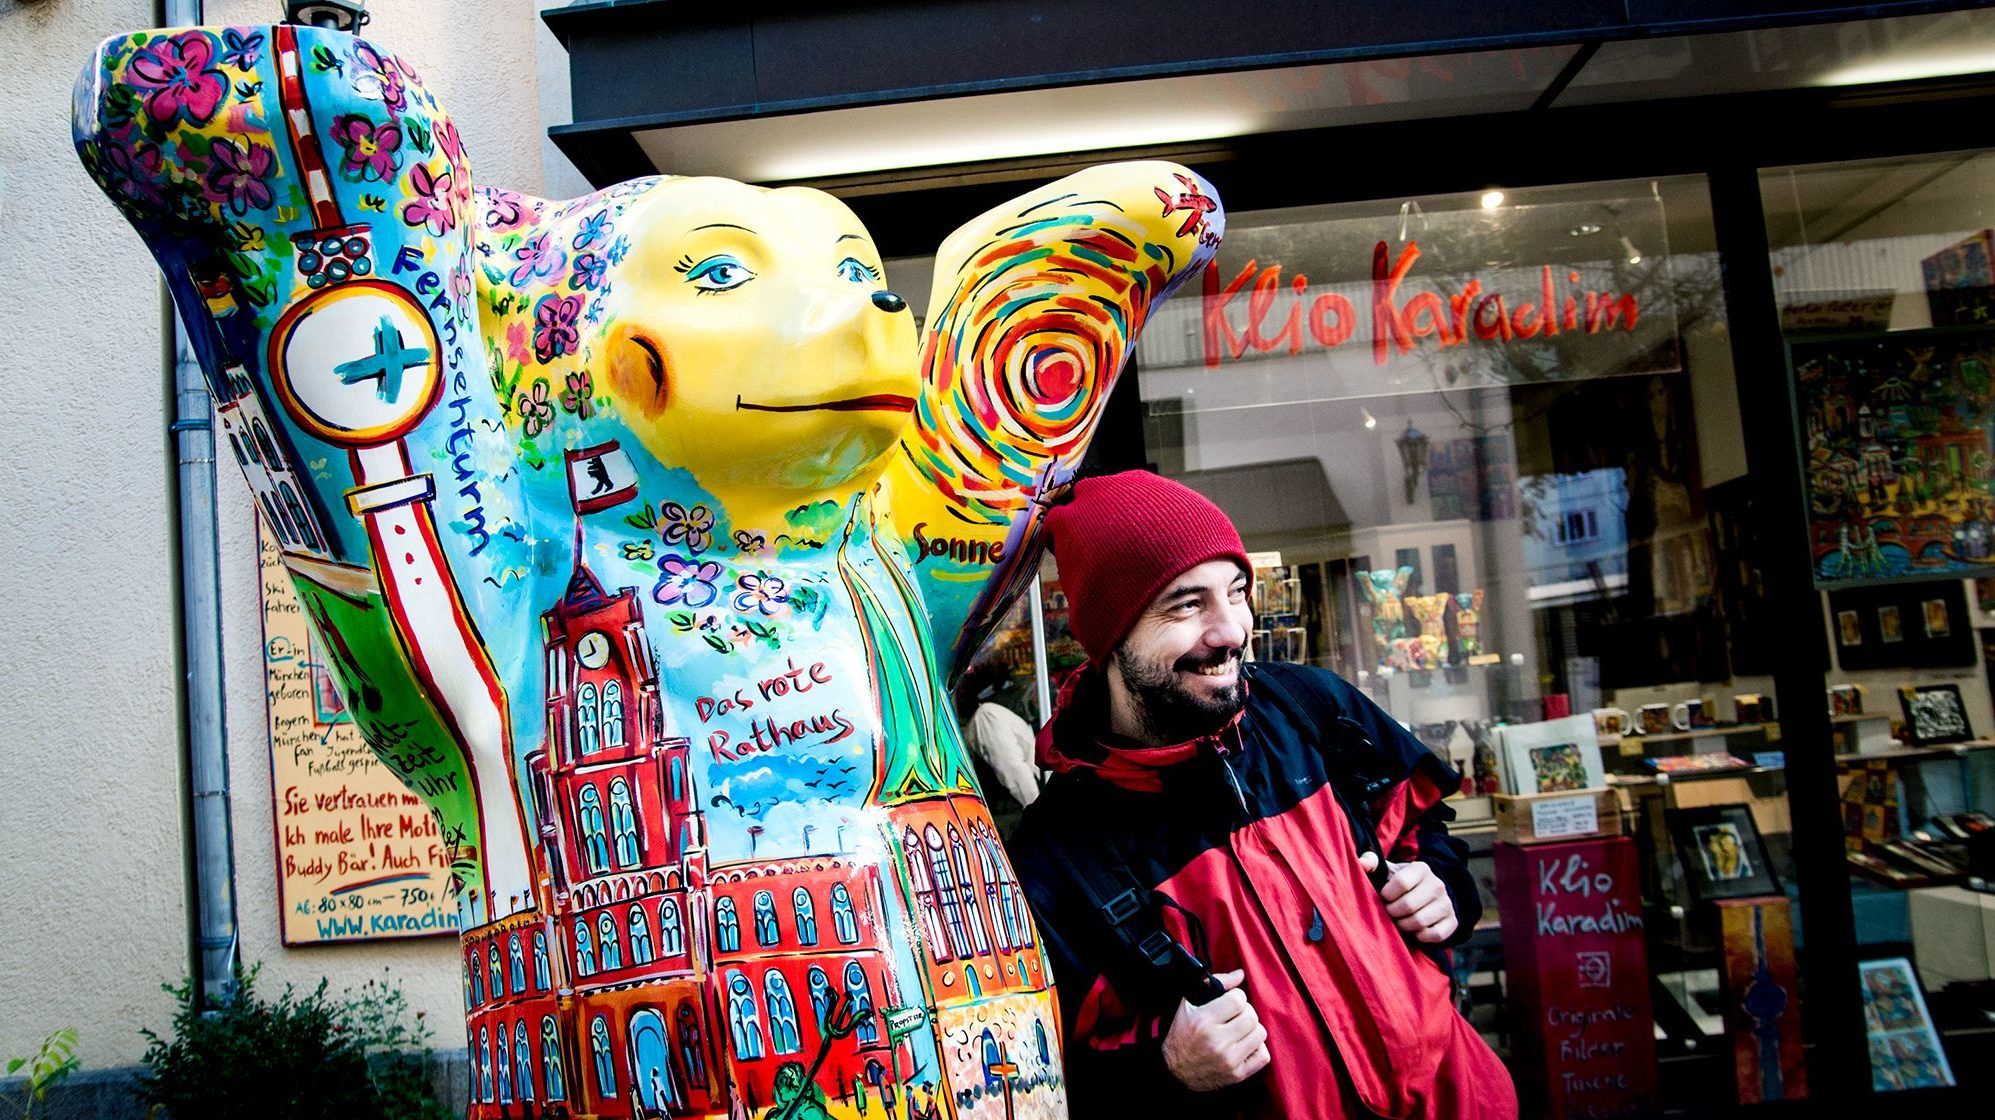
887	301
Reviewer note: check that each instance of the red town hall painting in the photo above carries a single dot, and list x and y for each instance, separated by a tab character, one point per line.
645	983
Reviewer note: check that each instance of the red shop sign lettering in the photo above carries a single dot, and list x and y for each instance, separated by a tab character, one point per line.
1399	322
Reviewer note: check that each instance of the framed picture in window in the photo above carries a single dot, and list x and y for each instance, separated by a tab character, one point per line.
1721	852
1934	714
1902	626
1553	756
1938	624
1890	624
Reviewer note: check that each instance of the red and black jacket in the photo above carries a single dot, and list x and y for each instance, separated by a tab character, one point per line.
1149	868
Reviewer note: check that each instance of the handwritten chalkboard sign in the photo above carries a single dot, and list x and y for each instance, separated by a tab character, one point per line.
359	857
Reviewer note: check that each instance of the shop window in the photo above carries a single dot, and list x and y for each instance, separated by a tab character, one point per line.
1488	459
1882	276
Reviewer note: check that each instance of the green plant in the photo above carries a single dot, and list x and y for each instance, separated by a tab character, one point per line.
399	1062
297	1057
55	1061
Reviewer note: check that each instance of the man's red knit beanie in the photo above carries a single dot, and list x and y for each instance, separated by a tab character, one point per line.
1120	539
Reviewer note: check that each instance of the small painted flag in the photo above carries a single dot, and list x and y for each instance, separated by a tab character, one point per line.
600	477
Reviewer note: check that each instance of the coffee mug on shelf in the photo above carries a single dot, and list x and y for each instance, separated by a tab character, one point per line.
1845	699
1613	722
1686	714
1752	707
1654	718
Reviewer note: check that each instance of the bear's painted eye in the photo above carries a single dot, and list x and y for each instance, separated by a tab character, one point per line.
719	274
857	271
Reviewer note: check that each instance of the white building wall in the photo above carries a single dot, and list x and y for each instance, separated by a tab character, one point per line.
91	842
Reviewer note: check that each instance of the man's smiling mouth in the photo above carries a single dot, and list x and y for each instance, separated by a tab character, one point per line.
878	402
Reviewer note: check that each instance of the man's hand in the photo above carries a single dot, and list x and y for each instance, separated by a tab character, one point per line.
1222	1043
1415	898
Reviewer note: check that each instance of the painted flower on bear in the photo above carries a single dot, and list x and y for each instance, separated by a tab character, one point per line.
178	79
373	151
683	579
238	175
554	332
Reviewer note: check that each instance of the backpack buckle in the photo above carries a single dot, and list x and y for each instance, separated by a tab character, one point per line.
1122	907
1158	948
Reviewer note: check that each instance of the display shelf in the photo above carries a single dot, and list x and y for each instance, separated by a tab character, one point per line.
1859	717
1693	733
1923	754
1636	781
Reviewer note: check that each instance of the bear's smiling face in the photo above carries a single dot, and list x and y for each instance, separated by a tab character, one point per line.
748	336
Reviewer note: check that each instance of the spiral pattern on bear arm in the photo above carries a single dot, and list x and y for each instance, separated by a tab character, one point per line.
1021	357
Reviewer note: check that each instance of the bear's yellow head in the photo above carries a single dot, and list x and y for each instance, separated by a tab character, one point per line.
744	334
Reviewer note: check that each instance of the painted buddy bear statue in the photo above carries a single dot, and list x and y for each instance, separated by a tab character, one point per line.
642	532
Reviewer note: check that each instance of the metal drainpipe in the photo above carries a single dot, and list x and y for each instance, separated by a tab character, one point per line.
204	728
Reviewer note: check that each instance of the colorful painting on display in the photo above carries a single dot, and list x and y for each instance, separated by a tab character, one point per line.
643	531
1905	1049
1762	999
1960	282
1901	480
359	856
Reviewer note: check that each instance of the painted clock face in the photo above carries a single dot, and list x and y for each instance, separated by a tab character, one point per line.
593	650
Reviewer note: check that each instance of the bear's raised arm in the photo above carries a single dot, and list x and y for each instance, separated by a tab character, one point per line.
1035	309
310	205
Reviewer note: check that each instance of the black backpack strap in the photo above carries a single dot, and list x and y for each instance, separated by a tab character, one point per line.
1145	955
1359	771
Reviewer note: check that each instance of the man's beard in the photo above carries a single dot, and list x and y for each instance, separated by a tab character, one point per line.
1169	712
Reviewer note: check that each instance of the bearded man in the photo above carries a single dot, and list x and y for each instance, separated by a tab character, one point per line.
1242	871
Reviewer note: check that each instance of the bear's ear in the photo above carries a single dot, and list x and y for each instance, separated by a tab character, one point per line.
1034	310
1035	306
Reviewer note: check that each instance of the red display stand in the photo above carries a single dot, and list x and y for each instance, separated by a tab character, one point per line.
1576	957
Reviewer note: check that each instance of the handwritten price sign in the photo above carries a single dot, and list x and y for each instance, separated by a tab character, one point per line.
359	857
